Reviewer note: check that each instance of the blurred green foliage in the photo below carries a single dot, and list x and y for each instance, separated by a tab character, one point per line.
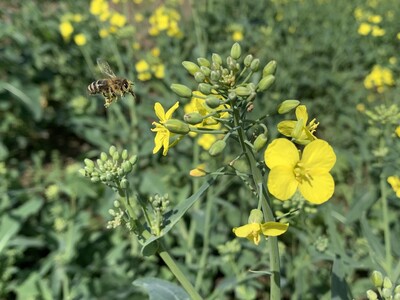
53	241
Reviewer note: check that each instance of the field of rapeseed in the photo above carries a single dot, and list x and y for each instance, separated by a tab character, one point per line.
186	149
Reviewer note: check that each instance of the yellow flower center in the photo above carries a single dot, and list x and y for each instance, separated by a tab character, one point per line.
301	173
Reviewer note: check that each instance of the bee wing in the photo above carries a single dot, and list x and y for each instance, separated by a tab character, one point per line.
105	68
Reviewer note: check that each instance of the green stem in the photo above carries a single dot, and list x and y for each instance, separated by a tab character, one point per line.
182	278
206	239
275	289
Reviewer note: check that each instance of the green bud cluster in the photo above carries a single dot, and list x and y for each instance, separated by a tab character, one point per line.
384	286
111	169
160	205
230	75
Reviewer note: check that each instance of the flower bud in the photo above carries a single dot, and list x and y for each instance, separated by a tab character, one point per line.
265	83
216	59
103	157
236	51
247	60
397	289
191	67
82	172
287	106
203	62
205	88
95	179
298	129
112	150
242	91
133	159
386	293
387	283
217	147
89	163
260	142
199	76
254	65
215	75
124	183
177	126
213	102
127	167
115	156
377	279
205	70
181	90
256	216
270	68
231	63
124	154
371	295
197	172
193	118
396	296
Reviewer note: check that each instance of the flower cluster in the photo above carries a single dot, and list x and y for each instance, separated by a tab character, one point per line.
151	66
394	182
67	29
369	23
379	79
165	19
110	169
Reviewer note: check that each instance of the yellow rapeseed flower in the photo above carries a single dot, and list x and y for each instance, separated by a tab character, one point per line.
97	7
162	134
142	66
398	131
375	19
80	39
255	228
103	33
144	76
237	36
398	35
364	29
379	78
394	181
155	51
377	31
66	30
207	140
301	132
118	20
308	173
159	71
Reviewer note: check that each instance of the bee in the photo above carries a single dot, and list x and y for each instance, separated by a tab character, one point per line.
112	87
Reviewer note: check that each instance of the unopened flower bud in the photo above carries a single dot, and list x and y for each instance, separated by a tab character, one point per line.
197	172
387	283
216	59
247	60
83	172
203	62
191	67
205	88
115	156
236	51
260	142
215	75
266	82
124	183
254	65
199	76
181	90
396	296
242	91
298	129
205	70
95	179
377	279
133	159
177	126
256	216
112	150
371	295
127	166
103	156
397	289
89	163
287	106
386	293
213	102
124	154
270	68
231	63
193	118
217	147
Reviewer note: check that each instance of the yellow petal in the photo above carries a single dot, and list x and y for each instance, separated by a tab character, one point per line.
157	142
301	113
274	228
286	127
246	230
282	183
319	189
170	111
160	113
318	156
281	152
166	142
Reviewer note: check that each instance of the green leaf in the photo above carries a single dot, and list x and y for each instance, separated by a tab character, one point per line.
175	215
30	97
360	206
340	289
159	289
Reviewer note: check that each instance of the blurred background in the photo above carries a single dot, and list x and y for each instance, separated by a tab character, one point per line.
339	57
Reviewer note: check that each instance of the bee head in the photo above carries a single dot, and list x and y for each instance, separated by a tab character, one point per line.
126	84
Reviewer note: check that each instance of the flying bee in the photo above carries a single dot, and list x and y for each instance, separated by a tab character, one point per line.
112	87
